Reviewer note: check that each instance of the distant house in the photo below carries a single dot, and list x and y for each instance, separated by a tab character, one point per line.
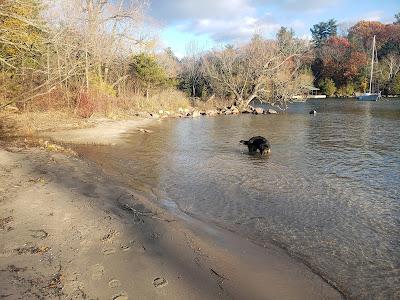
313	93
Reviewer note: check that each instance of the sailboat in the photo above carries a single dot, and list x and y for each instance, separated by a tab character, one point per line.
370	96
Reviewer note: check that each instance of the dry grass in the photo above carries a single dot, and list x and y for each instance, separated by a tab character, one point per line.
28	123
125	107
39	117
212	103
168	99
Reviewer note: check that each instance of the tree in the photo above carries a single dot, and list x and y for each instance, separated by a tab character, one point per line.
110	29
259	70
340	61
284	37
322	31
362	33
345	90
397	17
192	79
145	69
396	85
327	86
22	50
67	45
169	62
389	68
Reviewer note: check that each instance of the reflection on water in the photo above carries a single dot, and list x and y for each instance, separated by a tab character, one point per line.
329	193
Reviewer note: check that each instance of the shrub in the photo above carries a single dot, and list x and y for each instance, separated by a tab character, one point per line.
97	84
85	106
396	85
149	74
327	87
345	90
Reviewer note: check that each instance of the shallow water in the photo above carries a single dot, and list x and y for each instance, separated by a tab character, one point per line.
328	193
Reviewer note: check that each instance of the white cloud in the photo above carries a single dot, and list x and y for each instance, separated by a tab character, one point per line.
314	6
232	20
177	10
376	15
231	30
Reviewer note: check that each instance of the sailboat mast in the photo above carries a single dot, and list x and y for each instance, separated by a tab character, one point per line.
372	65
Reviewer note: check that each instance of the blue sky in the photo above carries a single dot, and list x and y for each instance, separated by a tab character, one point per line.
216	22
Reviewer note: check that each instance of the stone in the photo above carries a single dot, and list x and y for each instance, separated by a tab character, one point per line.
272	111
235	110
196	114
258	111
211	113
246	111
143	114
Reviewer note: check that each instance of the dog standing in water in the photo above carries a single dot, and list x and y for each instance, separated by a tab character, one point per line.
257	143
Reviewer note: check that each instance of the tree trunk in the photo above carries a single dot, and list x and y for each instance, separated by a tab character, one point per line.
86	69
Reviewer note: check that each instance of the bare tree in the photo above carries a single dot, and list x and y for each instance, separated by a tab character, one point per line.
192	68
259	70
110	30
390	66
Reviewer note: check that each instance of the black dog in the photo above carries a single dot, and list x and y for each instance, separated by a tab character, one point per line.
257	143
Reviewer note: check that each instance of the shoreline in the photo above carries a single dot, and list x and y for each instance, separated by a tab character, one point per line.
107	132
197	259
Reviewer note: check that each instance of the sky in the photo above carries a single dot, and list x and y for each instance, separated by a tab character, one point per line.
212	23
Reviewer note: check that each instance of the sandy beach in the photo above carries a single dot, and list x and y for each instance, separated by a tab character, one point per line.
69	231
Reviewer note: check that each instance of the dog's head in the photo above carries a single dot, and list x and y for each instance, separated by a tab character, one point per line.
265	149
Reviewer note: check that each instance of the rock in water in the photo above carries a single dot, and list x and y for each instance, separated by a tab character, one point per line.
259	110
196	114
272	111
211	112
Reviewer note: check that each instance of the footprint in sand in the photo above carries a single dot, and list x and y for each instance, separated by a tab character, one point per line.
160	282
109	251
109	237
39	234
120	296
114	283
125	247
136	246
97	272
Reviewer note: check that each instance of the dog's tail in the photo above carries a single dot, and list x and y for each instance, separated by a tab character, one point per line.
244	142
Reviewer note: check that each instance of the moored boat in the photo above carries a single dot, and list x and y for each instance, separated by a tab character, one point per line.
370	96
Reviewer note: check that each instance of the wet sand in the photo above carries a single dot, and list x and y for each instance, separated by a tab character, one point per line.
69	231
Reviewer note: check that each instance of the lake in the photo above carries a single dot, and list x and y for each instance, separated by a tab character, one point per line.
329	193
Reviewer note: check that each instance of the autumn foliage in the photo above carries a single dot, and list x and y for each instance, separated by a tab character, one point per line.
340	61
346	59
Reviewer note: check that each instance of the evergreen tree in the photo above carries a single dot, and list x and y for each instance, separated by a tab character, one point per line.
323	31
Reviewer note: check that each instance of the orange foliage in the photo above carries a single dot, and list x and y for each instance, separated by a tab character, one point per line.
340	61
364	31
